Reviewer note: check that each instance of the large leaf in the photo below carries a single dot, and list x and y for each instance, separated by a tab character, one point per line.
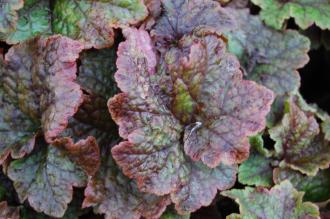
316	188
37	89
8	14
305	12
8	212
113	194
45	178
148	118
183	16
268	56
299	143
92	21
282	201
33	20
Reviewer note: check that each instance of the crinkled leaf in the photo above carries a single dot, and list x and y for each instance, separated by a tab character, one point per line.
256	171
172	215
8	14
96	72
183	16
33	20
236	3
268	56
45	178
92	21
218	108
39	80
316	188
113	194
282	201
304	12
7	212
298	142
153	153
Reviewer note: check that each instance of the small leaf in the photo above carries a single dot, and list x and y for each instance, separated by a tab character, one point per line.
33	20
8	14
256	171
8	212
282	201
316	188
305	12
268	56
45	179
303	149
92	22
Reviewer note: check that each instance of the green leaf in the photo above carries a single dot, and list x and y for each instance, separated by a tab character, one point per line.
256	171
8	14
33	20
46	178
282	201
316	188
92	21
305	12
268	56
299	143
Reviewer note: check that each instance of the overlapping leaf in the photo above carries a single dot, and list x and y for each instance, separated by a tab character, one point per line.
92	22
316	188
282	201
37	89
153	123
299	142
8	14
113	194
8	212
269	57
305	12
45	178
33	20
180	17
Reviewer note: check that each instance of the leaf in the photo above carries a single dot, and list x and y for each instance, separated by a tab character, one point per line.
96	72
173	215
269	57
282	201
305	12
45	179
316	188
153	152
256	171
113	194
92	22
183	16
39	80
8	14
304	149
33	20
8	212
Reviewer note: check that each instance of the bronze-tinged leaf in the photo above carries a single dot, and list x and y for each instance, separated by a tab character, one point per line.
281	201
299	143
158	131
7	212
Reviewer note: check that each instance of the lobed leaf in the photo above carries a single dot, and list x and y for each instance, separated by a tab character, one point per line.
45	178
305	12
269	57
316	188
92	22
304	149
33	20
282	201
153	152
